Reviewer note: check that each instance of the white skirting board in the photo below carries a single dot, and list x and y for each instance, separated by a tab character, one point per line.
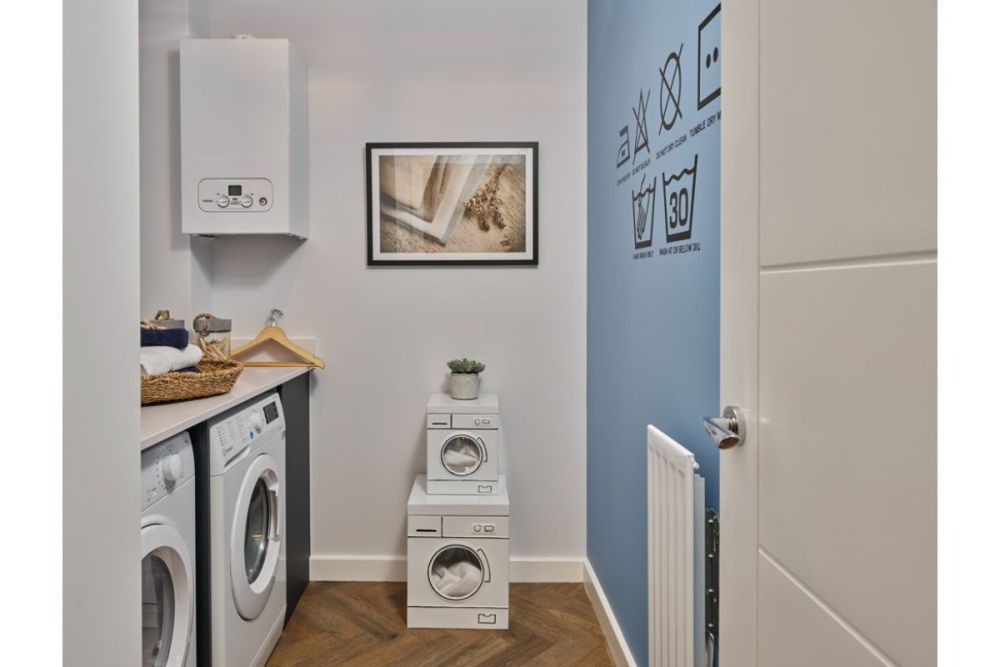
617	645
393	568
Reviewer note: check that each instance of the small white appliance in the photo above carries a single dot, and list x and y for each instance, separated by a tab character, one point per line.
463	445
457	559
247	521
244	145
167	535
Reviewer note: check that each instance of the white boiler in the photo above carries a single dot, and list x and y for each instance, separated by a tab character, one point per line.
244	146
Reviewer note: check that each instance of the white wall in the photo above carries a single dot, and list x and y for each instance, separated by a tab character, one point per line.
174	267
101	304
428	71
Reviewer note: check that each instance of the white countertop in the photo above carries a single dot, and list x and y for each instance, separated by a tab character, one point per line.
159	422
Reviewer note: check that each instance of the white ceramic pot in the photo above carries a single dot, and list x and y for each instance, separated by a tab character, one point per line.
465	386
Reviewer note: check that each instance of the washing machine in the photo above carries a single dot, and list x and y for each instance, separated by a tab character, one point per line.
247	520
167	535
463	445
457	559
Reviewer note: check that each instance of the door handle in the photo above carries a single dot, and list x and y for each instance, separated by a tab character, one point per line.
274	514
729	430
486	565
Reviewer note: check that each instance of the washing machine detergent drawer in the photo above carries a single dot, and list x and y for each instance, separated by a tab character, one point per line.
457	571
458	526
485	618
463	455
461	421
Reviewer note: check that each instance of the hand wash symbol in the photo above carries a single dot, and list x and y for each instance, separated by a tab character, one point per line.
643	209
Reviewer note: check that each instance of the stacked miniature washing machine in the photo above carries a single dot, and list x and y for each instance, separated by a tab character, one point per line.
458	520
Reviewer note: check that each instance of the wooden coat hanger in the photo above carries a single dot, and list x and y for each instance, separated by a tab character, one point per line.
273	333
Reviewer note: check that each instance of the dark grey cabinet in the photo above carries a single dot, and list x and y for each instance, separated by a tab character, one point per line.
295	401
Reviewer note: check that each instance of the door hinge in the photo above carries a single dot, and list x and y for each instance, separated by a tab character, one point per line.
711	577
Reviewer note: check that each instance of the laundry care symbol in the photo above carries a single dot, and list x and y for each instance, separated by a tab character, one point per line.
709	67
678	202
625	150
641	134
670	91
643	212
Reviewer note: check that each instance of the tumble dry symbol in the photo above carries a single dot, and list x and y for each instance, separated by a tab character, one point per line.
678	202
709	55
670	91
643	210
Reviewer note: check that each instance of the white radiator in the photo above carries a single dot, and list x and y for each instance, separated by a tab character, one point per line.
676	505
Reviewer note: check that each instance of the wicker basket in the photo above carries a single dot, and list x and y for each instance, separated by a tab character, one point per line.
217	374
216	377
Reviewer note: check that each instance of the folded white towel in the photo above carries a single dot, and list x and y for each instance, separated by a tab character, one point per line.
157	360
457	580
443	577
461	460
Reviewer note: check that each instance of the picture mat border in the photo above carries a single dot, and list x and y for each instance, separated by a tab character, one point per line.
527	258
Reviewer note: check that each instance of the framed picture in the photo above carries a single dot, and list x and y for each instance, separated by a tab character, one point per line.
452	203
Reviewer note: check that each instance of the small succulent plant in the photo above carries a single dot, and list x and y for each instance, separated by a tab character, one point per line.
466	366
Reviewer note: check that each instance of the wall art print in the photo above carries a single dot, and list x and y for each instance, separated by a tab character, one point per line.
452	203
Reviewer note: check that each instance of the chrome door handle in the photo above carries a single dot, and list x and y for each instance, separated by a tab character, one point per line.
728	430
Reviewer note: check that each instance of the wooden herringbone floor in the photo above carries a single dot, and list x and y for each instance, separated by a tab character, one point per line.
348	623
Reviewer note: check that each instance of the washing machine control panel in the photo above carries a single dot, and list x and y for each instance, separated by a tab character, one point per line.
232	434
475	421
471	526
436	420
165	467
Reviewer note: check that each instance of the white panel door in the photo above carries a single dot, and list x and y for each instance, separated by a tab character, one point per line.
829	271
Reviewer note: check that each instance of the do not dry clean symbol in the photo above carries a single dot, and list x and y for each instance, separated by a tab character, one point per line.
670	91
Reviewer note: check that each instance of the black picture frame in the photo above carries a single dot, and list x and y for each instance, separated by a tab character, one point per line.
373	219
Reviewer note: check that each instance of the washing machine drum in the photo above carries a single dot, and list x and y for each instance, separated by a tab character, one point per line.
167	597
462	454
456	572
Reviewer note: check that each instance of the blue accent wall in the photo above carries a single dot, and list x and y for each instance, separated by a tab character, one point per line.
652	270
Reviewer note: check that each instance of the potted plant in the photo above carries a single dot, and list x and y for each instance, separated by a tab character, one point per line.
465	378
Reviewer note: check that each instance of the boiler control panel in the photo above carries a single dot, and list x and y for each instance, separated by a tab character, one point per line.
235	195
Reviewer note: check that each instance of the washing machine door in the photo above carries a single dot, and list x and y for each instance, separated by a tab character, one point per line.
255	540
167	597
462	454
457	571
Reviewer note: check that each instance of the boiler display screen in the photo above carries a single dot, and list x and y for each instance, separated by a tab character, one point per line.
235	190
